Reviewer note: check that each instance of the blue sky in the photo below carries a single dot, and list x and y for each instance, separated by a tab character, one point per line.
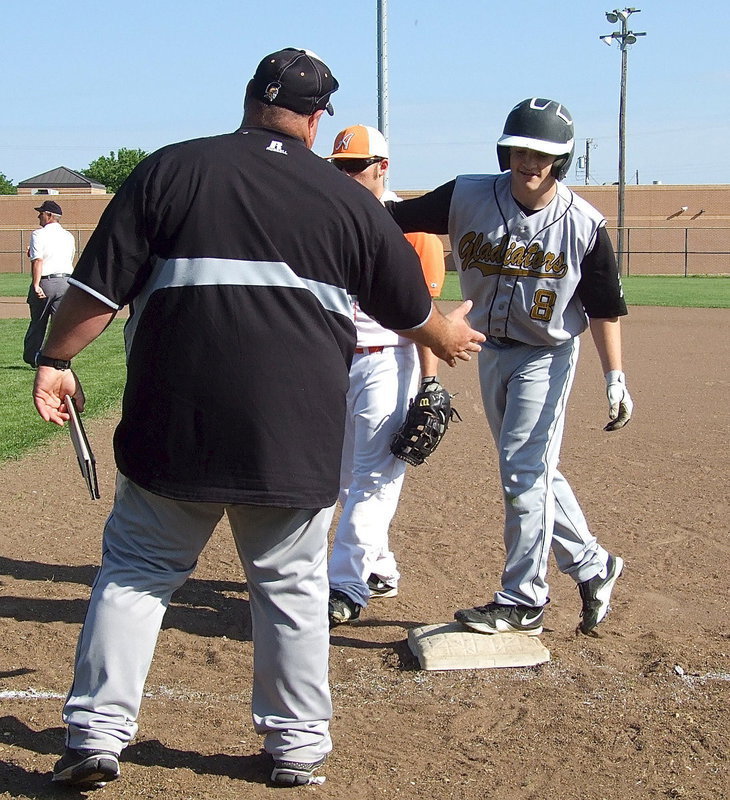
82	78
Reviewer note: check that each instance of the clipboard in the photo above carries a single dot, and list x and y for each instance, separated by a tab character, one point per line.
87	462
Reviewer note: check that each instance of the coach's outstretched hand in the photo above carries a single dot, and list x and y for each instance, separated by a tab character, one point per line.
449	336
620	404
50	387
463	333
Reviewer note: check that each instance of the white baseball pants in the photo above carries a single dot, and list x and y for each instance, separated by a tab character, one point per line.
151	545
525	391
371	477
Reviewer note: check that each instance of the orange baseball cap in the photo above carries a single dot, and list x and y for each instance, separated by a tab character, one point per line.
360	141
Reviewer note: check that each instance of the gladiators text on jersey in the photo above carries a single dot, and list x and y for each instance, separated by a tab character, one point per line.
509	258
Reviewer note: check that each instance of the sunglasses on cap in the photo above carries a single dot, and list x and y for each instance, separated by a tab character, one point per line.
353	165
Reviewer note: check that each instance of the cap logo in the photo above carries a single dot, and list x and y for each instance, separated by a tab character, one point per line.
344	142
272	91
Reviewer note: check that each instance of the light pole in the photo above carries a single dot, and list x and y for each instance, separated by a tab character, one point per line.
624	37
383	71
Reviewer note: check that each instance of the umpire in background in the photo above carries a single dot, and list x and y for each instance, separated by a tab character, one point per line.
238	255
52	250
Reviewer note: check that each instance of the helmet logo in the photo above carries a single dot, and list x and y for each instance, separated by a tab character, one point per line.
558	109
566	120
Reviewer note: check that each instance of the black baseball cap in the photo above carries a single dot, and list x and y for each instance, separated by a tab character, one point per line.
51	207
295	79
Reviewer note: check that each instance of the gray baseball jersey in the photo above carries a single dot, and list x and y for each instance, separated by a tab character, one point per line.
522	271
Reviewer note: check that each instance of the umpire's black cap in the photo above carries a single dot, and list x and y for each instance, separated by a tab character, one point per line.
51	207
295	79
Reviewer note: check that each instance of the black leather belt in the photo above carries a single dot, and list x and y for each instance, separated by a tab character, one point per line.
57	275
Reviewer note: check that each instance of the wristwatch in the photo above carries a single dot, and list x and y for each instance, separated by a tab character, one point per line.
56	363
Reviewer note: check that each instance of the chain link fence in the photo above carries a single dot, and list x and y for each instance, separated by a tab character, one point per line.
675	251
14	244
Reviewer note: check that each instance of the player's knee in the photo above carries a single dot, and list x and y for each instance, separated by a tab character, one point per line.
518	488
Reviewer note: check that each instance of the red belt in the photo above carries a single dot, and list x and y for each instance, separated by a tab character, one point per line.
370	350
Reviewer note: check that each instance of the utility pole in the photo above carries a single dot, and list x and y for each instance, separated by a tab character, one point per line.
383	72
622	152
588	159
625	38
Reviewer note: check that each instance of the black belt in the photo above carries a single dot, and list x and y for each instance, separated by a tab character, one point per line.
57	275
503	340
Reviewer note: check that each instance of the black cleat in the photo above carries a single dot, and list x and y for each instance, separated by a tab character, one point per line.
596	596
86	767
297	773
379	588
499	618
342	609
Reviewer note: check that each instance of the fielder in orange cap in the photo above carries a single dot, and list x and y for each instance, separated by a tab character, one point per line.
384	376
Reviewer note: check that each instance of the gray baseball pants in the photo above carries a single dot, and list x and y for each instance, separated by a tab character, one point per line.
525	391
41	312
150	547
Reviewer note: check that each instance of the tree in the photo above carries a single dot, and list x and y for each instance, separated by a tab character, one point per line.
112	170
6	185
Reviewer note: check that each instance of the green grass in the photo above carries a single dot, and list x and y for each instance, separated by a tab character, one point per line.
100	367
695	291
14	284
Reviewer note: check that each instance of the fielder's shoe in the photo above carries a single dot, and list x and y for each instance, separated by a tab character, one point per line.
596	595
297	773
379	588
86	767
342	609
498	618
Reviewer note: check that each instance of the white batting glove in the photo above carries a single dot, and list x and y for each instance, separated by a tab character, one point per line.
620	404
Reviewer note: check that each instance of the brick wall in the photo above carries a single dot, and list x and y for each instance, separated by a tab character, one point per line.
658	237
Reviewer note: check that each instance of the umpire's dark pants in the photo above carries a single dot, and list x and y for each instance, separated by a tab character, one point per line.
40	313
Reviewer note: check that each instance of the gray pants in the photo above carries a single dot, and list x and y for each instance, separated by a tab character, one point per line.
525	391
41	312
151	546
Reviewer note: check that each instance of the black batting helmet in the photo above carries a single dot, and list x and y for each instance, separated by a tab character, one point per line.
539	124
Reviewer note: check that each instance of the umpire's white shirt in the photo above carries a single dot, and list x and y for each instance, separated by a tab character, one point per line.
56	246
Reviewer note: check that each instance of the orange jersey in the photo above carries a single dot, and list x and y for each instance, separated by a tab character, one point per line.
431	252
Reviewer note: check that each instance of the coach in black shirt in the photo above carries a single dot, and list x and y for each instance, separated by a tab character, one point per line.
237	255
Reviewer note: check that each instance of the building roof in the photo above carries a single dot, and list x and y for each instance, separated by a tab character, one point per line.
62	178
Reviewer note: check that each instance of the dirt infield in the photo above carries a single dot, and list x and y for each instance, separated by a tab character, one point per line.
641	712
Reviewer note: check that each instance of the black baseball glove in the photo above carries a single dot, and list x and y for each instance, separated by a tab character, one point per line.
426	422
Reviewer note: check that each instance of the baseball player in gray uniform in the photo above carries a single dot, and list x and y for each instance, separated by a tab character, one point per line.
538	264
